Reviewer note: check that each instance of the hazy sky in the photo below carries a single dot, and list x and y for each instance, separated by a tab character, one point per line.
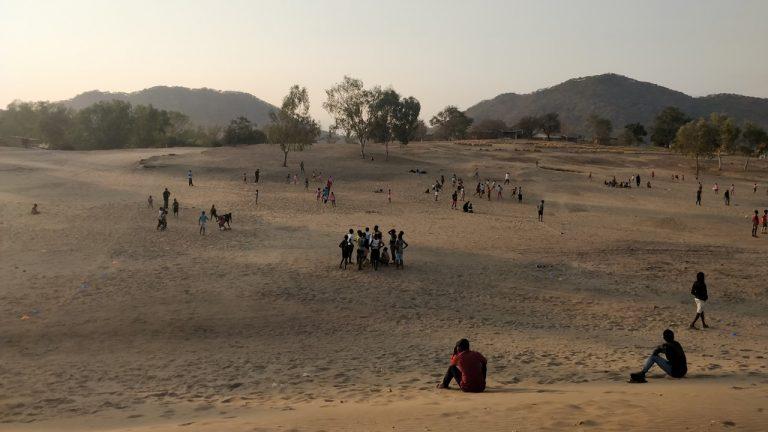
443	51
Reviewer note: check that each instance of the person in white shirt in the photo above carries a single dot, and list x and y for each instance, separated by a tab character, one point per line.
375	247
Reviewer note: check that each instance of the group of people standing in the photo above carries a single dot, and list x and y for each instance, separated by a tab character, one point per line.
162	220
371	248
483	189
325	194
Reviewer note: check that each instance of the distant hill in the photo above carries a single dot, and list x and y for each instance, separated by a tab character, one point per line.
622	100
204	106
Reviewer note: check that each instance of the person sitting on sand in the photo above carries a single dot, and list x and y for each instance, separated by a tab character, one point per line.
34	209
468	368
467	207
384	260
699	292
162	223
674	365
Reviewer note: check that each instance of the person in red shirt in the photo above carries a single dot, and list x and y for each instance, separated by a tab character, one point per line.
755	223
468	368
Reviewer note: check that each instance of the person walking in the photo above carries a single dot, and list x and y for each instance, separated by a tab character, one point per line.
727	197
256	176
540	209
519	194
202	221
699	292
332	198
175	208
301	165
698	196
506	178
189	177
214	214
454	199
150	202
245	178
257	197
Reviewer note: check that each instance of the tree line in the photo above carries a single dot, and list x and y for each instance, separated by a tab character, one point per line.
362	115
117	124
708	137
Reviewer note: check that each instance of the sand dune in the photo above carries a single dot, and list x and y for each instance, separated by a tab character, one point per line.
111	325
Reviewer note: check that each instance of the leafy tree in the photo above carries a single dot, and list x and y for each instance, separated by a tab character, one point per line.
349	103
20	119
150	126
242	131
292	127
105	125
550	123
601	129
57	125
728	134
754	141
450	123
666	124
384	105
421	132
529	125
633	134
699	138
406	125
488	129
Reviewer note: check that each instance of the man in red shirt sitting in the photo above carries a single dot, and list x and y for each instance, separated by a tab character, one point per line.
468	368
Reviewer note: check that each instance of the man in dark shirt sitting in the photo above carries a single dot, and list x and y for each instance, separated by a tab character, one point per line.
468	368
674	365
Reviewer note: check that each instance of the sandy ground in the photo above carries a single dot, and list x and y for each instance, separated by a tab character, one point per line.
107	324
